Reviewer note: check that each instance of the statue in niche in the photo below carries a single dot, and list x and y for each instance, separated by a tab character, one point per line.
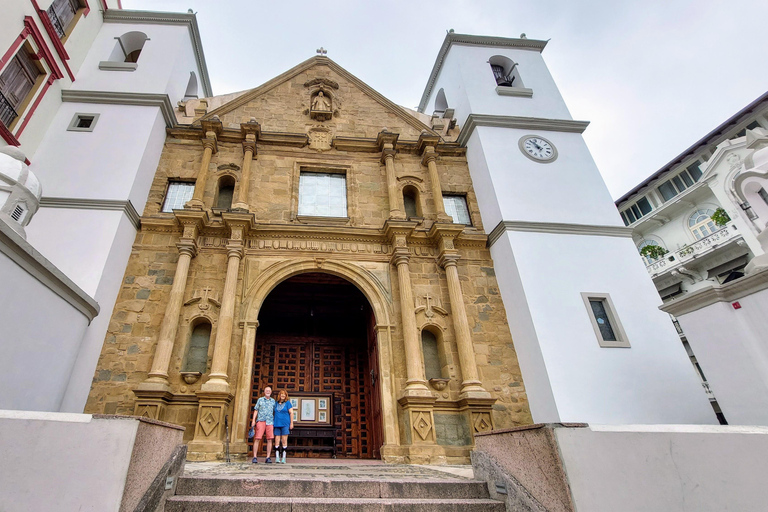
321	107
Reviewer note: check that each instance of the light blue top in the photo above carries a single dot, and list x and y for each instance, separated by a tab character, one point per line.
266	410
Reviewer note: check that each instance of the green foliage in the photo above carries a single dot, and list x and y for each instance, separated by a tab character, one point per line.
720	217
653	251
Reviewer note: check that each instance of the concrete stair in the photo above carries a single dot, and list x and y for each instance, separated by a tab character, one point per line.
234	493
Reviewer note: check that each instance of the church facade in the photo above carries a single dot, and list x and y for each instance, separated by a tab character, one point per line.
313	236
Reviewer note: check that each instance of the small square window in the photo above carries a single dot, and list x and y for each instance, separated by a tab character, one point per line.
83	122
605	322
179	192
456	207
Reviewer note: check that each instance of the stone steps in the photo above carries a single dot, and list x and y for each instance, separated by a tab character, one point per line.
254	493
283	504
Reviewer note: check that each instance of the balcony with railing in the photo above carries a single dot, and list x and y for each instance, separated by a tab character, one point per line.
7	112
673	259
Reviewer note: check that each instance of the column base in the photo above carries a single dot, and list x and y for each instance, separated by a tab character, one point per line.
215	385
416	388
208	443
473	389
151	403
479	412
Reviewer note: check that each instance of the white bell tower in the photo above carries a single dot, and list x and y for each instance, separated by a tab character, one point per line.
592	344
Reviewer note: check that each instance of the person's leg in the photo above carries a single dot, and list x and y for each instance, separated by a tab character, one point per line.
285	447
260	430
270	438
278	452
255	448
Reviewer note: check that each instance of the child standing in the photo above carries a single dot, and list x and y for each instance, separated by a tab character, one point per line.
263	420
283	423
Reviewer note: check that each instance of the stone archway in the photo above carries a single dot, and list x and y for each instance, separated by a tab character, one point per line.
377	297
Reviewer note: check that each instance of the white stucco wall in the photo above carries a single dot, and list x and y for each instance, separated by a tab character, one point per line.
651	382
154	73
39	341
732	349
669	468
570	189
470	87
82	373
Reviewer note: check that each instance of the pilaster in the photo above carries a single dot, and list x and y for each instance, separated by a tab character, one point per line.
426	147
387	142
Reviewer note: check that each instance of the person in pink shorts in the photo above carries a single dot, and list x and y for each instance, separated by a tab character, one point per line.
263	421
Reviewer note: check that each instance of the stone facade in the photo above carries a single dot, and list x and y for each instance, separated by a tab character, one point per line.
417	273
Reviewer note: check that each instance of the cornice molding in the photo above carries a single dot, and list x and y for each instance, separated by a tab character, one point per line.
557	228
729	292
34	263
161	101
168	18
94	204
469	40
528	123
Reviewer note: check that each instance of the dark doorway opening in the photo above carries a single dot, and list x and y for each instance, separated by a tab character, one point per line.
316	335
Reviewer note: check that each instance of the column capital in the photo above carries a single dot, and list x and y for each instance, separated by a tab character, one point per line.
187	247
448	259
428	156
191	221
250	145
387	154
394	229
400	256
235	250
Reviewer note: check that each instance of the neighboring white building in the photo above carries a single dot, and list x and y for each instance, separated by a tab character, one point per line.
709	276
87	91
592	345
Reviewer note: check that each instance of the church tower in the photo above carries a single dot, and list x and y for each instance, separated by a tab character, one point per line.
592	345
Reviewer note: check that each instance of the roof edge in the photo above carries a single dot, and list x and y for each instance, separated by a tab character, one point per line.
168	18
696	146
471	40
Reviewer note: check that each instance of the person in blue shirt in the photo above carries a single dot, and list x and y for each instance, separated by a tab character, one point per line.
283	423
263	420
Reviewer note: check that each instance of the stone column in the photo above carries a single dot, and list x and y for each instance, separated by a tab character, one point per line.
219	378
416	383
211	129
471	387
152	394
242	413
429	159
387	143
251	130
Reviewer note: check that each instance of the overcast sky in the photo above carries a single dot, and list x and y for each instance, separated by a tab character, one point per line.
652	77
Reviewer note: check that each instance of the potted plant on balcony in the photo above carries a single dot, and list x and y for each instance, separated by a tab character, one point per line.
653	251
720	217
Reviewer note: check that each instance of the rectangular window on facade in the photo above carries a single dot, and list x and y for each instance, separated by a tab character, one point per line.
322	194
456	207
694	170
179	192
16	82
636	211
604	320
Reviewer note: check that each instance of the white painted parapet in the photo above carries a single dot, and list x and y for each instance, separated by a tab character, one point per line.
80	462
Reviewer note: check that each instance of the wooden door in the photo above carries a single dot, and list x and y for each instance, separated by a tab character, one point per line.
324	365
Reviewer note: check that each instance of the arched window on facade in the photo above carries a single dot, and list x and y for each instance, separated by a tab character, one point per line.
700	223
128	47
505	71
648	260
197	350
432	369
441	104
226	193
411	202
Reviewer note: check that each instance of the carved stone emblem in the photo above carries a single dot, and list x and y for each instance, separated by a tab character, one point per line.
320	139
422	424
430	306
204	299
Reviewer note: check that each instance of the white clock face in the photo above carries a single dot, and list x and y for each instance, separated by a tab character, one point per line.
538	148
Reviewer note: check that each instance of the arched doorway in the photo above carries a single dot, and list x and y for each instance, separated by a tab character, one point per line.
316	337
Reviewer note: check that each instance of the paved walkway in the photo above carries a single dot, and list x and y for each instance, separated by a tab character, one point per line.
340	468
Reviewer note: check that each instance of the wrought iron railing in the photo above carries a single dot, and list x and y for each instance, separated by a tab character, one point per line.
724	234
7	112
55	22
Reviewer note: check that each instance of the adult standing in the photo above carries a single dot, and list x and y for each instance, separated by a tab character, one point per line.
283	423
263	421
